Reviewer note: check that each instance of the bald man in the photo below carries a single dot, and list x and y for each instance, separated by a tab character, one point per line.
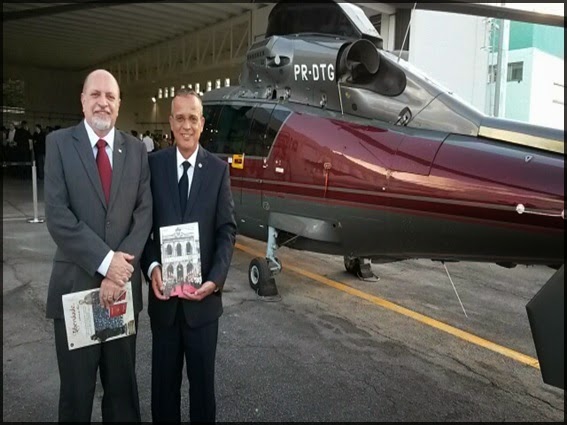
98	208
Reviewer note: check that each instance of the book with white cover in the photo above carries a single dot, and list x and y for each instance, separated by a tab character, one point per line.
181	258
88	322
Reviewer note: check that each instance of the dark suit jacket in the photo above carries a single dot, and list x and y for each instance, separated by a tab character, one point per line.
210	204
22	137
83	227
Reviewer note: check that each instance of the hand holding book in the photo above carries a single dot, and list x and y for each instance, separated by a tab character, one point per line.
157	284
181	259
88	321
197	294
110	292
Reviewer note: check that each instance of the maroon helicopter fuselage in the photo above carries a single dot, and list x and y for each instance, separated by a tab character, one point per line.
339	146
390	192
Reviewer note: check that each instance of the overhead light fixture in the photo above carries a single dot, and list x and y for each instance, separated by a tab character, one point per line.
154	99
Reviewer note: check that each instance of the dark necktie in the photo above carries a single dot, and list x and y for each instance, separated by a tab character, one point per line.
184	187
104	168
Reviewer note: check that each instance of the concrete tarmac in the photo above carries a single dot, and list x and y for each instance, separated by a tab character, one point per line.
319	352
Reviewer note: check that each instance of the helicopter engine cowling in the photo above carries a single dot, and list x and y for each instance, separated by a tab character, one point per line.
309	69
301	70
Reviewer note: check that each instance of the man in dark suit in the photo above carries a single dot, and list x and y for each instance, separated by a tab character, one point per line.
188	185
22	139
98	207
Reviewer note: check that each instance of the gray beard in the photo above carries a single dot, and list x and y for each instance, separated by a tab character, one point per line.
101	124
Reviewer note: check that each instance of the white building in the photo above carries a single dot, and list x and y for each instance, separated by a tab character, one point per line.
459	52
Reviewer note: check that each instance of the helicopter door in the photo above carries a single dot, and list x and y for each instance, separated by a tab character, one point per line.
252	216
277	162
229	139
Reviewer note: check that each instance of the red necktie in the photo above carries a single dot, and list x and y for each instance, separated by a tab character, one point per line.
104	168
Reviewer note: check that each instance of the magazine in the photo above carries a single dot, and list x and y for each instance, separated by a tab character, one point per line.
181	259
89	323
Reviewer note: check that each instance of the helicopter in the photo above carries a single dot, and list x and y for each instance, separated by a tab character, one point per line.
340	147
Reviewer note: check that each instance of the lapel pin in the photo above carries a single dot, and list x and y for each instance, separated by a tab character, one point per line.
200	165
119	150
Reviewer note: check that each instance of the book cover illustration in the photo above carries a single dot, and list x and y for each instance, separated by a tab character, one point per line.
88	322
181	258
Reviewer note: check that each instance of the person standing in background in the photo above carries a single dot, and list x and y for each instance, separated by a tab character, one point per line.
148	141
11	135
23	150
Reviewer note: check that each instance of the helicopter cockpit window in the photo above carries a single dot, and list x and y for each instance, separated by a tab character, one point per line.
254	146
279	115
232	129
211	114
241	128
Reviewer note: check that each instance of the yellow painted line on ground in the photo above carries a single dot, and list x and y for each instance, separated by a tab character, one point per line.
522	358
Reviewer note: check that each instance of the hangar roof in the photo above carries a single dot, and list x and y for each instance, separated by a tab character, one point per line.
79	35
82	34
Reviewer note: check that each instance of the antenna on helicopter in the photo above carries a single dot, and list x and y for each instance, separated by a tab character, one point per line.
407	31
340	97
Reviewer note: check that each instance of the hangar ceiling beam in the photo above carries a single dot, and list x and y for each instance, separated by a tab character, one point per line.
200	14
53	10
221	45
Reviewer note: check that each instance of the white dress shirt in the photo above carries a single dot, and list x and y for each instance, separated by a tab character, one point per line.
149	142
